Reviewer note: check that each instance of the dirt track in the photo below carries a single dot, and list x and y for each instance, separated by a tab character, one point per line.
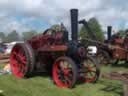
119	76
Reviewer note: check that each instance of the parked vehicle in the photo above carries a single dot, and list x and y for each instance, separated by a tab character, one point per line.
54	53
115	48
2	48
9	46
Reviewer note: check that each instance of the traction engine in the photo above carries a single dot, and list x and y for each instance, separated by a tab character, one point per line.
53	52
112	50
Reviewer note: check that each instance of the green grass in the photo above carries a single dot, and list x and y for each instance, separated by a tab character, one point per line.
43	86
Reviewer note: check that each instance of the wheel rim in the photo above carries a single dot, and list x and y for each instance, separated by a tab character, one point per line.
63	74
18	61
90	73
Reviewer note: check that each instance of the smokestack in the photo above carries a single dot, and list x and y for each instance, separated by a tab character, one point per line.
109	32
74	24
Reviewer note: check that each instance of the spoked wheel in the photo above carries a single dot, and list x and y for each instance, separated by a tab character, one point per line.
91	72
22	60
65	72
103	57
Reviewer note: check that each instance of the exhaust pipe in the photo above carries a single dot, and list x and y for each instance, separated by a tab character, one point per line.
109	32
74	24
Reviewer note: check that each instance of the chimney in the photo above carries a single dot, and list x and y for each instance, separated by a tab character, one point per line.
74	24
109	32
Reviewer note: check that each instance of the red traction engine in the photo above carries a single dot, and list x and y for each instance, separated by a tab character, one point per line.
118	49
115	49
53	52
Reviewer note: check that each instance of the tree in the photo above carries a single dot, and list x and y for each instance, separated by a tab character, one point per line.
95	27
121	33
2	36
28	35
83	33
12	36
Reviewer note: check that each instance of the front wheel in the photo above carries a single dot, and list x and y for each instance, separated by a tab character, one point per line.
90	70
65	72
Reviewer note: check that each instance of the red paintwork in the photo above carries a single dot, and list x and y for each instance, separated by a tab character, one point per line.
53	48
41	41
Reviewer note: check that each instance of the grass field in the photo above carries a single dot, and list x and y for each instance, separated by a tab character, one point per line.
43	86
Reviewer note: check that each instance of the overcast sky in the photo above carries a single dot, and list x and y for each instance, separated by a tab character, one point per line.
24	15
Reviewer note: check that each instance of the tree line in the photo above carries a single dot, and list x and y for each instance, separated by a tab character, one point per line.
15	36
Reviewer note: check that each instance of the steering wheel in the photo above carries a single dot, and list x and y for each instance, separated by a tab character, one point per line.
50	32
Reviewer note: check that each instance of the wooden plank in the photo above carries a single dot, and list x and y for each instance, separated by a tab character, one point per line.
4	61
3	56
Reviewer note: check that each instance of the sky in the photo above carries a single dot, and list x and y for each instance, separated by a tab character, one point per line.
26	15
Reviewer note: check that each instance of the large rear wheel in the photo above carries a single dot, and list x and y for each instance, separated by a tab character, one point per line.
22	60
65	72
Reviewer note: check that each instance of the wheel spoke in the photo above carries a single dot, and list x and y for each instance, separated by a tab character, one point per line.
22	69
14	53
67	80
21	57
15	65
92	73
